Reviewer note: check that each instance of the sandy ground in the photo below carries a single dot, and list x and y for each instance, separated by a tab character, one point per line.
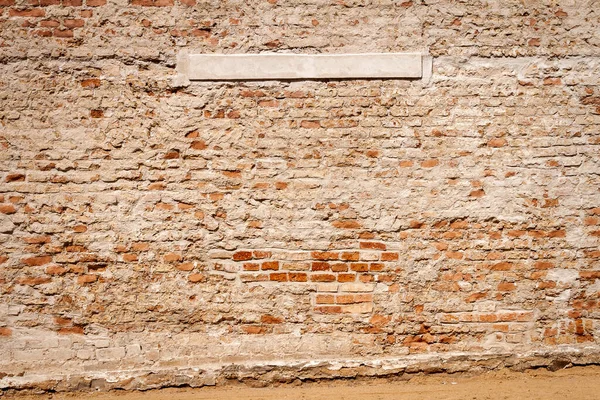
573	383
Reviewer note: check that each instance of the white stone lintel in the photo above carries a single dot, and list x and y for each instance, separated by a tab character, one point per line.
275	66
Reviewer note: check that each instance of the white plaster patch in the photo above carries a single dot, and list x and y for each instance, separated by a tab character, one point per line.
563	275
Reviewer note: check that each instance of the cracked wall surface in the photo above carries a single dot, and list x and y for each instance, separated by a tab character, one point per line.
158	233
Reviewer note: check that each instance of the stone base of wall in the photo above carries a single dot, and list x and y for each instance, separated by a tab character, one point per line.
259	374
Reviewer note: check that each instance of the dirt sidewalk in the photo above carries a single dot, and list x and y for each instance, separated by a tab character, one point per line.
579	383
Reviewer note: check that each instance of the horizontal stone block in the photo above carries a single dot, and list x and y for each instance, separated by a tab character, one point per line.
270	66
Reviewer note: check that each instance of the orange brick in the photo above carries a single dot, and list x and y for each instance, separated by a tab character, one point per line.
543	265
359	267
270	319
140	246
322	278
251	267
376	267
324	255
270	266
346	277
320	266
350	256
339	267
389	256
83	279
242	256
506	286
257	254
171	257
36	261
71	330
297	277
372	245
279	277
195	278
325	299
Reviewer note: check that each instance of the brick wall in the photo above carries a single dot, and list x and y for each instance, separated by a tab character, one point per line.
154	234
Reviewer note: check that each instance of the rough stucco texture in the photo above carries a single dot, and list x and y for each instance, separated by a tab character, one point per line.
148	228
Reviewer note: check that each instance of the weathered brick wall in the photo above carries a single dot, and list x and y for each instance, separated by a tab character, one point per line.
153	234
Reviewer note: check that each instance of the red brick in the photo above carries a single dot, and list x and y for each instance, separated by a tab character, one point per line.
346	224
270	266
350	256
188	266
55	270
506	286
359	267
325	299
376	267
372	245
83	279
65	33
322	278
198	145
71	330
497	142
33	12
454	255
195	278
430	163
251	267
254	329
389	256
346	278
15	178
33	280
543	265
50	23
152	3
310	124
7	209
502	266
552	81
36	261
140	246
268	103
324	255
130	257
297	277
252	93
95	3
242	256
278	276
270	319
339	267
261	254
320	266
172	257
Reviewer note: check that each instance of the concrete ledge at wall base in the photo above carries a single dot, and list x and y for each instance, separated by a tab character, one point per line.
278	66
260	374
